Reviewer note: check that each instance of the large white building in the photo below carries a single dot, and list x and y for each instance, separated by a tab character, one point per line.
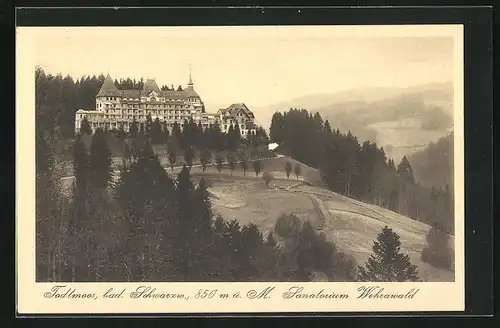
116	108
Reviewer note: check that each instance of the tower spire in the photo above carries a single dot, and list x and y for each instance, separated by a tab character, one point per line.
190	79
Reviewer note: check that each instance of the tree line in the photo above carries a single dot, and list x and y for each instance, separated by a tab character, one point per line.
58	98
361	170
190	135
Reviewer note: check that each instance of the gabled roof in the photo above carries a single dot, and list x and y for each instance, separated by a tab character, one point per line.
149	86
235	108
108	88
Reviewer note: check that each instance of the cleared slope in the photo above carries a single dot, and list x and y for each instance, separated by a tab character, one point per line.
351	224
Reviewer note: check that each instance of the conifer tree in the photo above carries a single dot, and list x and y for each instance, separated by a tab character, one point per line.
231	159
172	153
156	132
271	240
189	156
296	170
219	158
288	169
243	161
236	136
148	126
100	162
230	138
205	157
177	134
437	252
387	263
405	170
185	218
134	129
85	127
146	197
257	167
166	134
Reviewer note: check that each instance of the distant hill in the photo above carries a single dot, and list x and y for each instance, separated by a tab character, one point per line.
402	120
433	166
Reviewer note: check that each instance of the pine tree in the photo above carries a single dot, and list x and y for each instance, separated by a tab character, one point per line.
230	137
296	170
405	170
189	156
156	132
85	128
166	134
146	197
177	134
172	153
387	263
271	240
231	160
243	161
438	253
219	158
288	169
148	125
134	129
100	162
47	207
186	226
142	132
257	167
205	158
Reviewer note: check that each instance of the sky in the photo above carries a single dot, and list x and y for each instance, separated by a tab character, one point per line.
258	66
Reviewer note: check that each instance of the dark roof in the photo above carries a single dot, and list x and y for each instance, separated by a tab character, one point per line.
131	93
190	92
148	87
235	108
108	88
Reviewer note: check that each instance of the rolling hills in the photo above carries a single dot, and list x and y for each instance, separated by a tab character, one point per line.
402	120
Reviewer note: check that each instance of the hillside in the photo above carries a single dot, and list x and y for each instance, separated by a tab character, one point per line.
433	166
351	224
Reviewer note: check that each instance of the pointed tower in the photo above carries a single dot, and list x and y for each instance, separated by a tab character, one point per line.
190	83
108	88
192	96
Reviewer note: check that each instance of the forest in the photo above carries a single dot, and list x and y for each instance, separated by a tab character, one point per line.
361	171
150	226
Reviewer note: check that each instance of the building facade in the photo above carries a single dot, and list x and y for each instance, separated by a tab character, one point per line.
119	108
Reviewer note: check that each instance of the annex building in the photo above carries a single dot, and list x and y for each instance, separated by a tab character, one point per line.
116	108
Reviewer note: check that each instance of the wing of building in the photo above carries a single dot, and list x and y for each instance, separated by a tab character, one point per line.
117	108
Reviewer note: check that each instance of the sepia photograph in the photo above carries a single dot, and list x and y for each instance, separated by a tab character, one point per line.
300	154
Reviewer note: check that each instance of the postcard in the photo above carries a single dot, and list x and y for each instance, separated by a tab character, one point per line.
240	169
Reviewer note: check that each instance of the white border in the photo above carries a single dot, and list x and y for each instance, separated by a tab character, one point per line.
442	296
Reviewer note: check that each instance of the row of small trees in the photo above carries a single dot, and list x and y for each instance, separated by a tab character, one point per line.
191	135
